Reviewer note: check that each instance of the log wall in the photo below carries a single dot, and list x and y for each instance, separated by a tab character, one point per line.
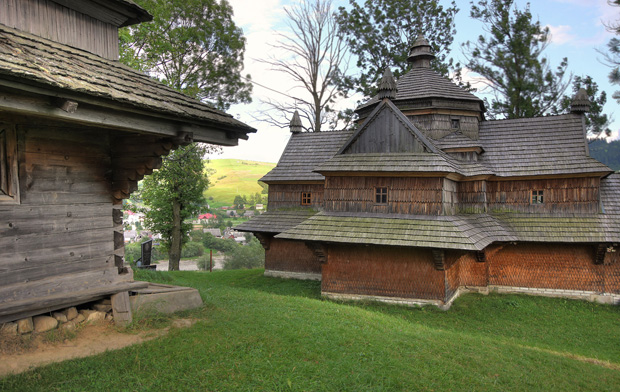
289	195
405	195
436	126
60	238
472	196
50	20
570	195
291	256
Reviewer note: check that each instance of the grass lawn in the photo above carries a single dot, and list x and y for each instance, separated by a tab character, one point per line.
266	334
234	177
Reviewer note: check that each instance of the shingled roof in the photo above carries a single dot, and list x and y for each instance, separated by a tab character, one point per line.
26	58
276	221
426	83
303	153
456	140
550	145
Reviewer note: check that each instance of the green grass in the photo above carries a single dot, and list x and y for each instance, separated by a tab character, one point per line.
234	177
265	334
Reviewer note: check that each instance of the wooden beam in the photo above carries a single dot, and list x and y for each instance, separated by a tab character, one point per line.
599	257
319	249
264	239
109	114
121	309
439	259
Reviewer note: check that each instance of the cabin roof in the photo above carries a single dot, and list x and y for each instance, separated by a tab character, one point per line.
117	12
276	221
465	232
425	83
472	232
39	62
549	145
303	153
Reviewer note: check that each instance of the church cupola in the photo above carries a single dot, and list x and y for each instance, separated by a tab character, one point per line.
295	124
580	103
421	53
387	86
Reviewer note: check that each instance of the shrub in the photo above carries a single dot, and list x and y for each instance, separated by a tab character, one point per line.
132	252
251	255
192	249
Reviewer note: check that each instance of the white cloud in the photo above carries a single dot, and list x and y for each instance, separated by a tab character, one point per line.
561	34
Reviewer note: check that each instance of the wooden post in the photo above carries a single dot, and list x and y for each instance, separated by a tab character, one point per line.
121	308
210	260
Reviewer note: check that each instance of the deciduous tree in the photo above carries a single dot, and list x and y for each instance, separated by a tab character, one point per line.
315	58
381	32
192	46
172	195
510	59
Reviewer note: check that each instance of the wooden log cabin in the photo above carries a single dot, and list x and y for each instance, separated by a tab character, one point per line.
426	199
78	130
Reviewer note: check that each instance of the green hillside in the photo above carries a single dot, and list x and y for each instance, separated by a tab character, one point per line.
234	177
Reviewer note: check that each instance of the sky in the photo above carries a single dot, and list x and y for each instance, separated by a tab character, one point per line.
577	31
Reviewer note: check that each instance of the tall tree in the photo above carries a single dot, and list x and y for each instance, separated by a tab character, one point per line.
597	122
612	57
315	58
510	60
192	46
381	32
173	194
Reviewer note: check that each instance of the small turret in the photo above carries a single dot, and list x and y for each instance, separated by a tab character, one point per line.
295	124
421	53
387	85
580	103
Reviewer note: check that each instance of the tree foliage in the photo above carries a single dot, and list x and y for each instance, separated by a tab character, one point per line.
191	45
315	59
510	59
381	32
172	195
612	57
597	122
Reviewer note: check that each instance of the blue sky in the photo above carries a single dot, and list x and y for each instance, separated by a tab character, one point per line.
576	26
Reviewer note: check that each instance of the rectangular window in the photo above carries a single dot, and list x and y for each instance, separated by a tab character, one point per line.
306	198
9	190
381	195
456	123
537	197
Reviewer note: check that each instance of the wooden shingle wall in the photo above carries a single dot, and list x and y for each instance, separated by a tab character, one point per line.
50	20
382	271
436	126
291	256
422	195
60	238
569	195
289	195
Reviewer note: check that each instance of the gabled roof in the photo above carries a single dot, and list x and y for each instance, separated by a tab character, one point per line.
550	145
397	122
425	83
35	61
303	153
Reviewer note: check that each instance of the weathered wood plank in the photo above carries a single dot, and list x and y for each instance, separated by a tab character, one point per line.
121	308
65	253
30	272
15	246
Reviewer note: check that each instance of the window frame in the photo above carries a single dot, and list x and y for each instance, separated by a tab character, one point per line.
537	197
381	195
9	179
306	198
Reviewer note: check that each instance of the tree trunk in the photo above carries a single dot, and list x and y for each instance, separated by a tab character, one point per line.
174	254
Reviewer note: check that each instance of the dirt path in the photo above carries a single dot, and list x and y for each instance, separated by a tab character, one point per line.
190	265
90	340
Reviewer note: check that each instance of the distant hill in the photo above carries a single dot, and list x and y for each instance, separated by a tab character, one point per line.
608	153
234	177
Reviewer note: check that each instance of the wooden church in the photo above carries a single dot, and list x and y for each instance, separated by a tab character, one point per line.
426	199
77	131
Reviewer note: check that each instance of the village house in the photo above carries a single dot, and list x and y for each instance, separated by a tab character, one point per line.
78	130
426	199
